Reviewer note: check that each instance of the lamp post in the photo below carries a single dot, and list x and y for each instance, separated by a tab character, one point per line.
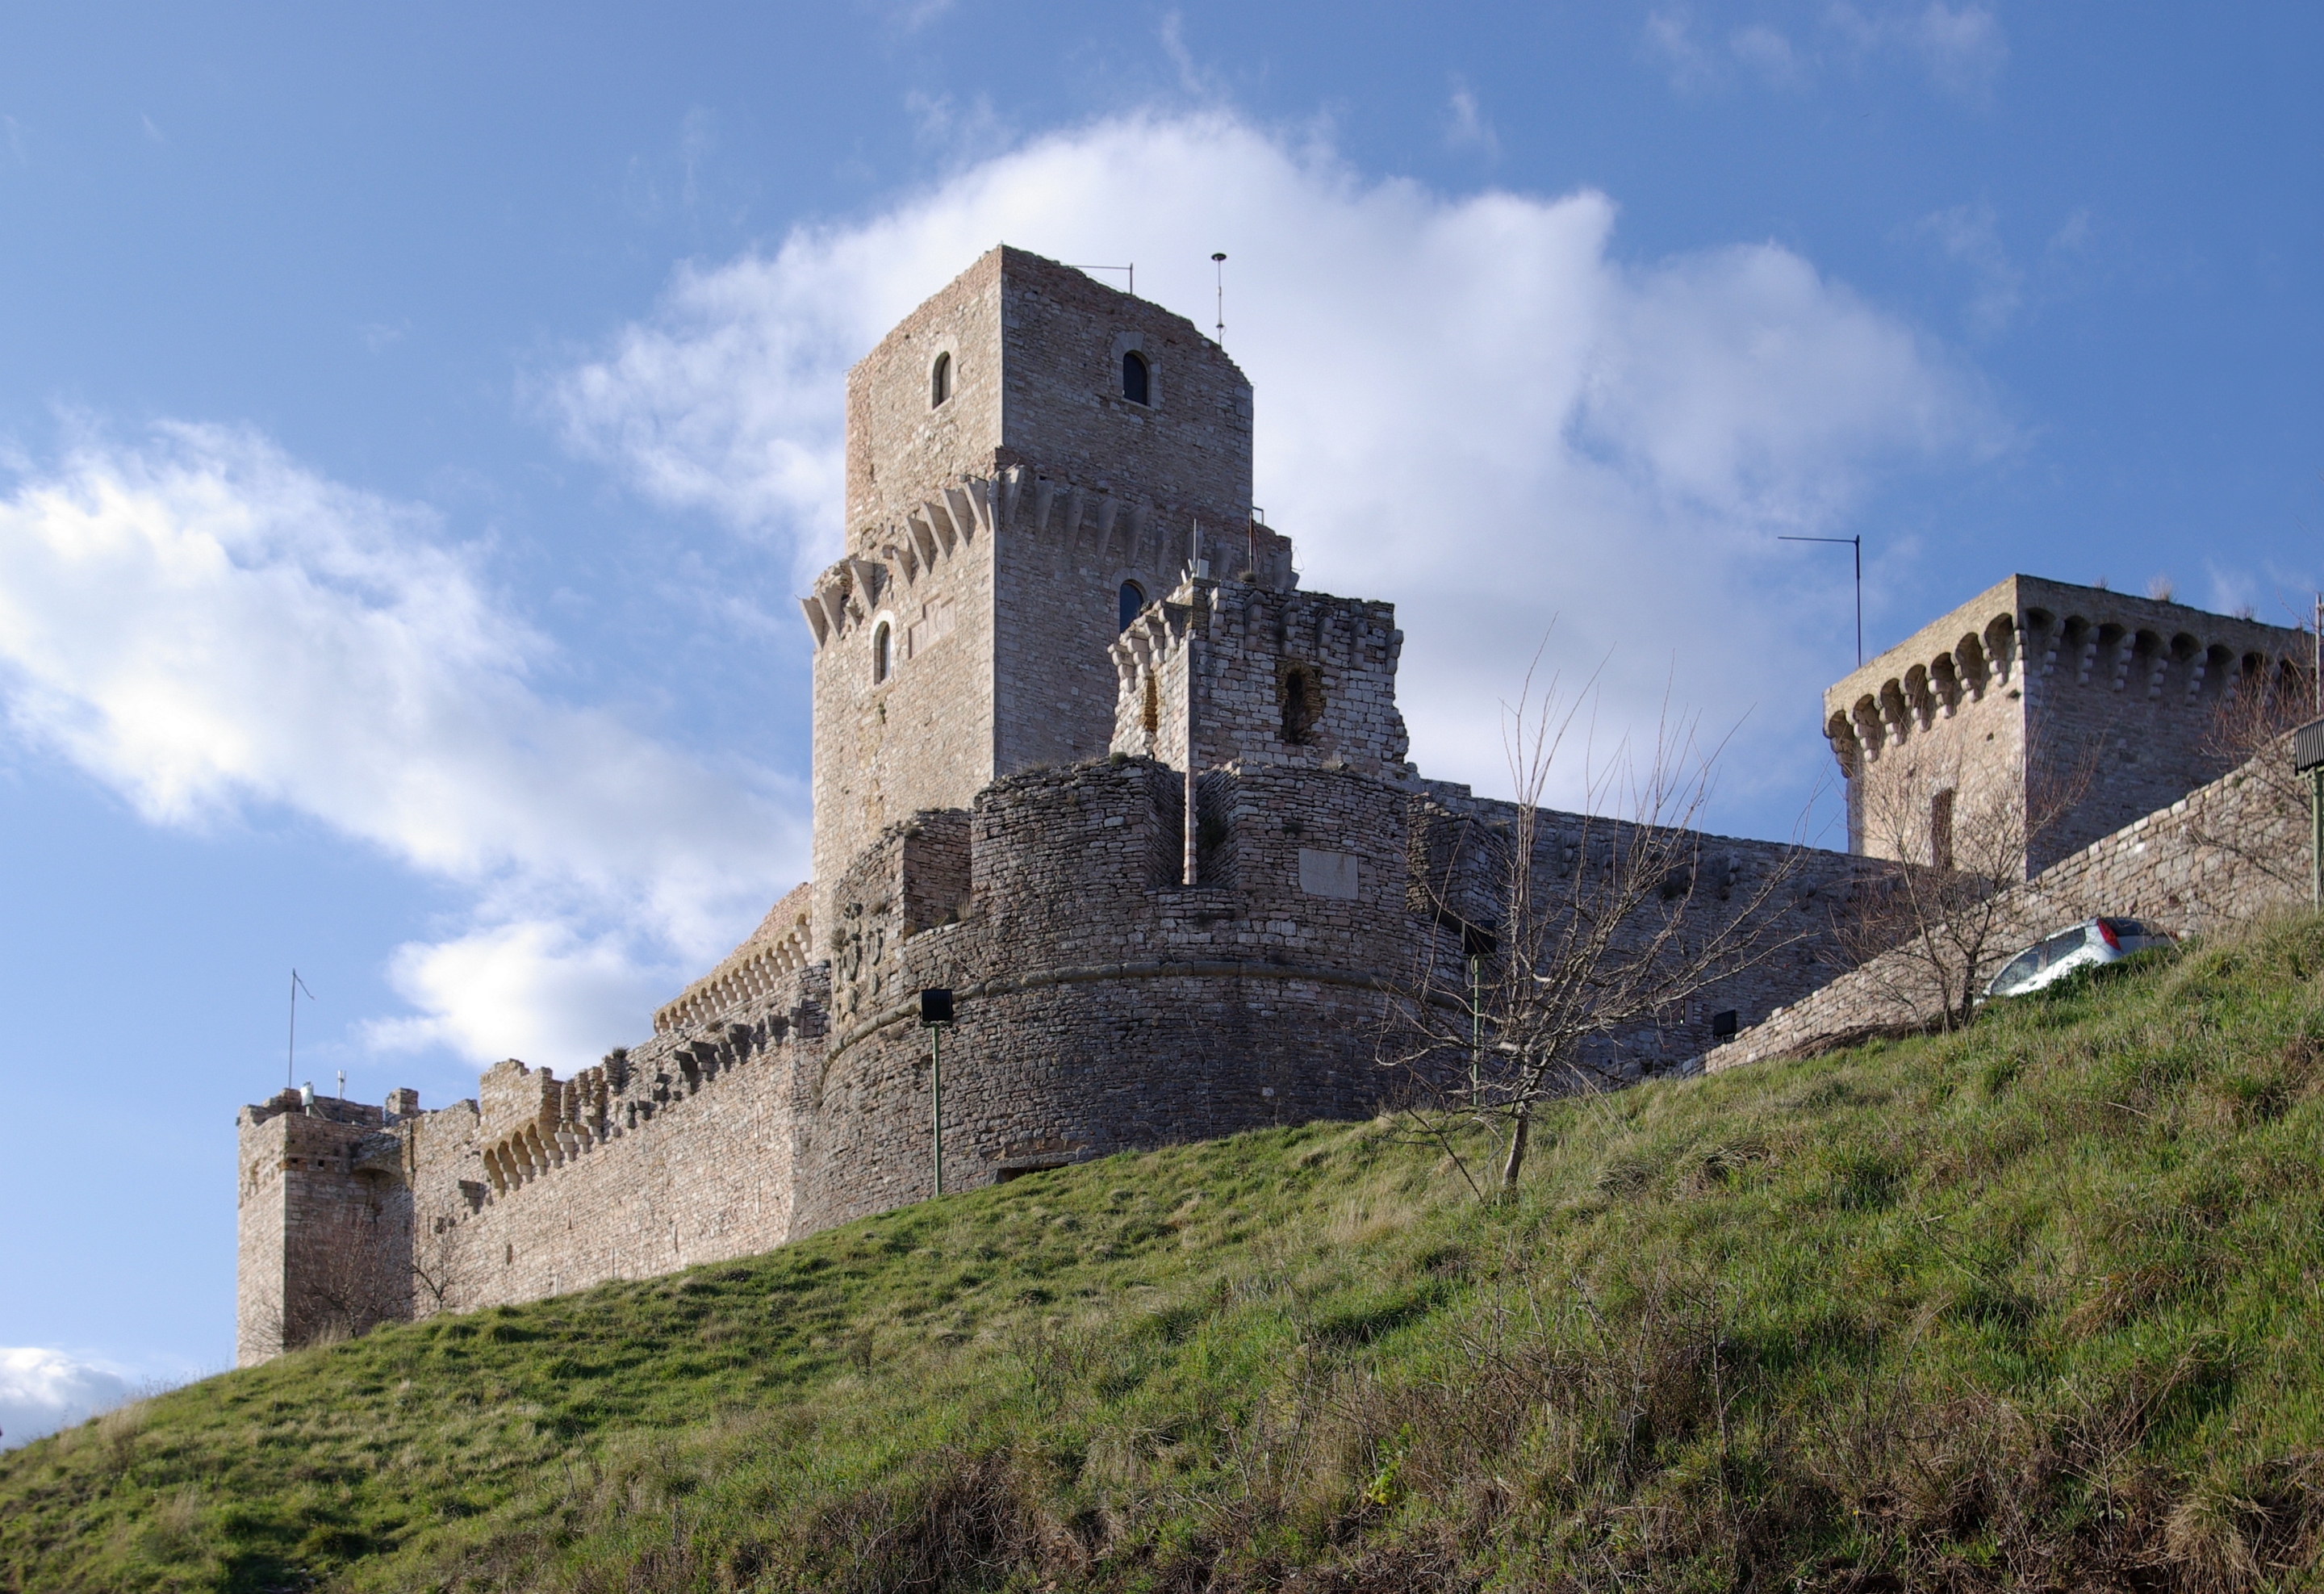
935	1017
2307	758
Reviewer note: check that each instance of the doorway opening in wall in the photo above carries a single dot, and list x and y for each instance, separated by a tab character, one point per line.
1150	712
1941	830
1128	604
1303	703
1134	384
1009	1171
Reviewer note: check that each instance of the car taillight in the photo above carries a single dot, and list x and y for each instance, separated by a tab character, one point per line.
2106	931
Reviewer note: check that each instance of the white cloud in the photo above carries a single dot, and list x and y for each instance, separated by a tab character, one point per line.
531	989
1193	80
1969	237
1769	56
1465	125
208	628
1468	405
43	1390
1961	47
1670	35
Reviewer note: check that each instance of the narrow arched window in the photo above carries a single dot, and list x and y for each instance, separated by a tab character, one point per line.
1127	603
940	381
883	652
1133	377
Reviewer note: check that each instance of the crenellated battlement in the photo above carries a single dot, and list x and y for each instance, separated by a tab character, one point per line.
1087	756
1260	676
2037	688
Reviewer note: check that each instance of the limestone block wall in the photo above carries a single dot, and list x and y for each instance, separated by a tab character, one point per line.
992	525
781	945
902	447
1188	447
1277	678
683	1150
2133	689
1459	877
1139	1014
1101	1004
2169	868
921	735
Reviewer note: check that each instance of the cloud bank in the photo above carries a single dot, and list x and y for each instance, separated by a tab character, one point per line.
1961	49
42	1391
1468	404
209	629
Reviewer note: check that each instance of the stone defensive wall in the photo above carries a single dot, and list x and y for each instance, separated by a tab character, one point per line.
2223	855
1152	1011
1101	1004
679	1151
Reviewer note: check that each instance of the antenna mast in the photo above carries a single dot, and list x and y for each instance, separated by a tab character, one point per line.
1858	543
291	1063
1219	265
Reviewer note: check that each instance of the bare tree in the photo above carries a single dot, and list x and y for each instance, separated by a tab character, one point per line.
1931	932
1571	944
442	1270
358	1278
2250	733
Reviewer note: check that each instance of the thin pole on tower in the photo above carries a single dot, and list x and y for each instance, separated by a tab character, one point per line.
1219	265
290	1062
1858	543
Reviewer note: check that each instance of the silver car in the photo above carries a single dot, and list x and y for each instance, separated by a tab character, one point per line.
2078	946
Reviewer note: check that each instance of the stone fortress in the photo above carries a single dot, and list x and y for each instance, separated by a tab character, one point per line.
1086	755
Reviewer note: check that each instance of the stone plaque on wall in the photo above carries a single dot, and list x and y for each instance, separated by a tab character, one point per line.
1327	874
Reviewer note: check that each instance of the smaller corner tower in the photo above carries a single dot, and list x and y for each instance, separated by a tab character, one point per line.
323	1220
2061	713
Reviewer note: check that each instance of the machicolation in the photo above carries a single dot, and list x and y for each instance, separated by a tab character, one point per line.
1086	754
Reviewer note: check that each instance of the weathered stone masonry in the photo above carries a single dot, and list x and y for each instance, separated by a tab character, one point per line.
1085	754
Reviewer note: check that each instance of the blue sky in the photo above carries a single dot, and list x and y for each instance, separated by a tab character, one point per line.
413	429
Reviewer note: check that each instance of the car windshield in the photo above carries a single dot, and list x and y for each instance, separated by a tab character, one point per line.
2060	945
2021	967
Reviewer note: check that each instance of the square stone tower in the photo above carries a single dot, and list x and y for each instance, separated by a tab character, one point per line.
2072	709
1032	457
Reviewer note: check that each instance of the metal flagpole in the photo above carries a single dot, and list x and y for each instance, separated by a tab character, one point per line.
1858	543
290	1062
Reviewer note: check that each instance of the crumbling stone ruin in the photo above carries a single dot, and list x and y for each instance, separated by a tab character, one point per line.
1086	755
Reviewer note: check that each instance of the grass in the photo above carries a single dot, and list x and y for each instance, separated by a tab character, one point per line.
2037	1305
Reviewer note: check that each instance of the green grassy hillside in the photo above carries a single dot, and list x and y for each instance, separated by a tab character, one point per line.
2041	1306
